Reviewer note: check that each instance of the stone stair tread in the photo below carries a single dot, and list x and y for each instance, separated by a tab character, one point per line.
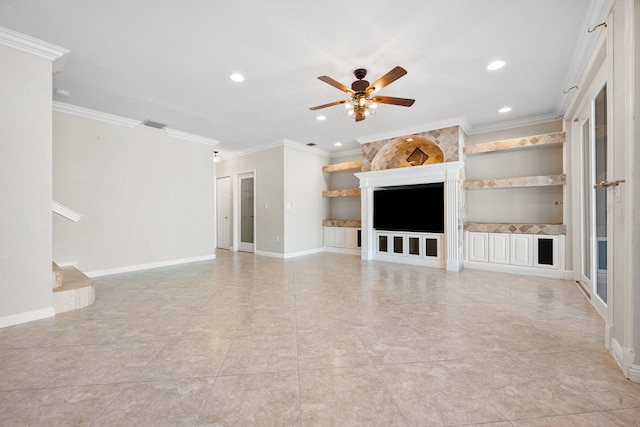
73	279
57	275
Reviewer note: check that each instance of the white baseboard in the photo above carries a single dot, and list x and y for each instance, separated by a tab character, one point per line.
29	316
303	253
269	254
517	269
130	268
625	357
288	255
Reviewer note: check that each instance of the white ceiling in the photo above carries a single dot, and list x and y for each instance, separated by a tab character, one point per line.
170	61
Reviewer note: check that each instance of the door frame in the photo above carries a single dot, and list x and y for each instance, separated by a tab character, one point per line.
218	198
576	118
237	176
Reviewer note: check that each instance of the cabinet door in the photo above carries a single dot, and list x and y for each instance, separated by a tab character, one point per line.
350	238
478	247
339	237
545	251
330	236
499	248
522	249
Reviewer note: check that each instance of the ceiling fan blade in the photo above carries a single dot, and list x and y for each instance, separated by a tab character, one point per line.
331	104
387	79
405	102
335	84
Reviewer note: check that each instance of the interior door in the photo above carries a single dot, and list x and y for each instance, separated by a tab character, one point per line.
596	201
246	209
223	186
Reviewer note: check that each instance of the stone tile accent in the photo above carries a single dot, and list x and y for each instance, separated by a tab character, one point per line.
352	223
508	144
546	229
439	145
341	193
523	181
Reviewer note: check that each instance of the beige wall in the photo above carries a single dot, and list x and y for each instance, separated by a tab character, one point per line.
343	207
269	198
304	207
25	183
145	198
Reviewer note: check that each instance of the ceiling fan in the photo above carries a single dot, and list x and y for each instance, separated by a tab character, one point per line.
363	102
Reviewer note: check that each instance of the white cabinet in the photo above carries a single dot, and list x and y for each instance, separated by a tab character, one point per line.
478	247
499	244
545	254
522	249
342	237
514	252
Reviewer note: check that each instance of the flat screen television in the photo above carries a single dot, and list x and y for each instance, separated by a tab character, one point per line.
409	208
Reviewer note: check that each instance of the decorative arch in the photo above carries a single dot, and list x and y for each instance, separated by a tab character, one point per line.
407	151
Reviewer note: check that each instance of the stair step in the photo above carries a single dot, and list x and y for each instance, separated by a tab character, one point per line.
77	291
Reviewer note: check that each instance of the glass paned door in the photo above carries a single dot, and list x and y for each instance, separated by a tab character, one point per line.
600	151
594	163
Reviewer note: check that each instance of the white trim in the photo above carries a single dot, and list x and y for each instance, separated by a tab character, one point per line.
517	269
191	137
618	354
527	121
28	316
598	12
138	267
34	46
269	254
304	253
280	143
65	211
87	113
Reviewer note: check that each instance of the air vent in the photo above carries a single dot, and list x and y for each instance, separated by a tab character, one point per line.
311	144
153	124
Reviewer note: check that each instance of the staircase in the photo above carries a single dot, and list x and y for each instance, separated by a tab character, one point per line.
72	289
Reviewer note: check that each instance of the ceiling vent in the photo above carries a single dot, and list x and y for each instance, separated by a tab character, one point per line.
311	144
153	124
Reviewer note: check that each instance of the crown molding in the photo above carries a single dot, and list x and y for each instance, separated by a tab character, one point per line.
304	147
460	121
87	113
31	45
598	12
527	121
191	137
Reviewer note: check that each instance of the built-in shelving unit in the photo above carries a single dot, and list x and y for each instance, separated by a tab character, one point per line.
342	235
517	247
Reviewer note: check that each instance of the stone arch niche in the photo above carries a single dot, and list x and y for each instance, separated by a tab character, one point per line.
407	151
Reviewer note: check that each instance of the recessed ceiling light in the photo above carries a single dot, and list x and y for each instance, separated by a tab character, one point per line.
338	144
237	77
504	110
495	65
321	118
409	139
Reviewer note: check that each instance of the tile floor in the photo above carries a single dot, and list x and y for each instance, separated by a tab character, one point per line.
325	340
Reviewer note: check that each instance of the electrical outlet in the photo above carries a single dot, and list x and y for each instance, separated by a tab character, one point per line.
153	245
277	238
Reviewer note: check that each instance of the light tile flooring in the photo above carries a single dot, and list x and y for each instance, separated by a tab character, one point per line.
325	339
